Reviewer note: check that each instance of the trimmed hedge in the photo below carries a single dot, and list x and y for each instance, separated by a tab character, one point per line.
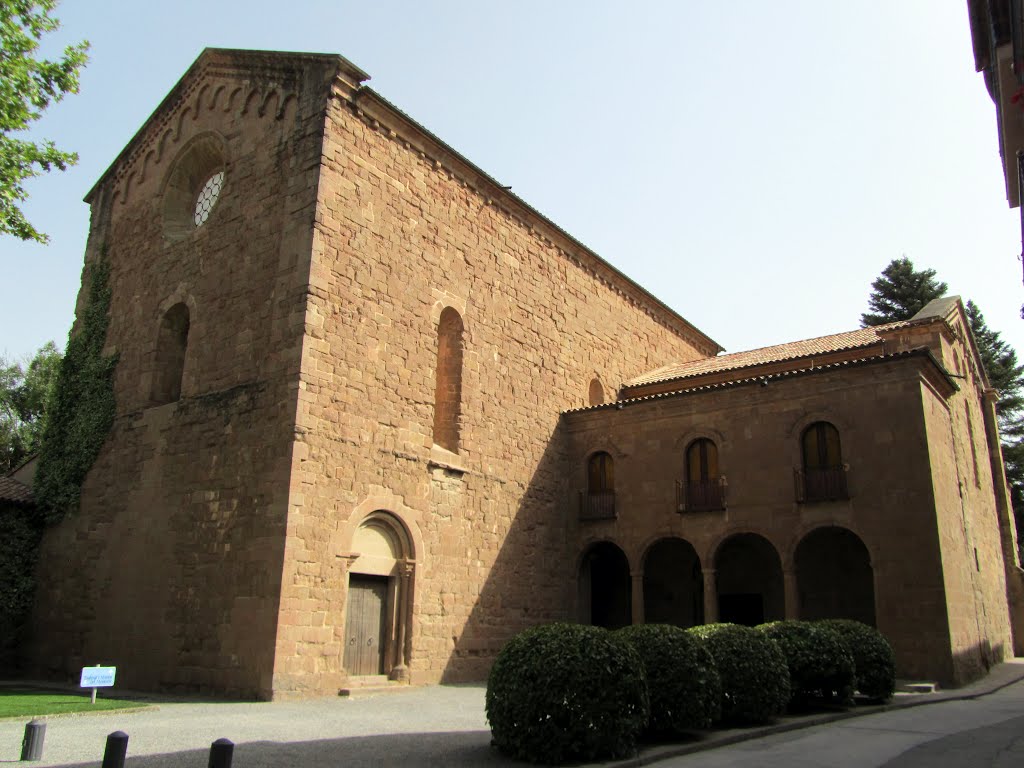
820	665
755	678
873	658
683	682
567	692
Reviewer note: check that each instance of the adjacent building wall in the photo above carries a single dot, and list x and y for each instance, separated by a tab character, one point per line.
877	408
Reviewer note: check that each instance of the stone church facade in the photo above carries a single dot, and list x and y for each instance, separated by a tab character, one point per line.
375	415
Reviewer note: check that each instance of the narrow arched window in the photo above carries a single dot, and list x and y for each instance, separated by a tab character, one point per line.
171	345
821	449
448	386
824	474
704	489
600	474
701	461
596	392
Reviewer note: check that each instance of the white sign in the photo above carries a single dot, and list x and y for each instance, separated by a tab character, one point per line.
97	677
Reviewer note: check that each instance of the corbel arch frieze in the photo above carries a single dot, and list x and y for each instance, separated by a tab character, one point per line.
191	114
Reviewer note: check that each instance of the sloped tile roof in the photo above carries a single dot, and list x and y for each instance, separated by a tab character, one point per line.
13	491
836	342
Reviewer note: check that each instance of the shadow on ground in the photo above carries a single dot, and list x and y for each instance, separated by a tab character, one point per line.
466	748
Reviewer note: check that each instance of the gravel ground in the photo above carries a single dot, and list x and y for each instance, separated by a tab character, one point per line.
431	726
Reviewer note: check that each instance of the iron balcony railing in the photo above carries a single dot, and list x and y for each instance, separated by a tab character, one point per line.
706	496
822	484
597	505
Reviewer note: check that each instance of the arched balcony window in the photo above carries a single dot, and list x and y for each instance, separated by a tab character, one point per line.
703	487
822	476
598	502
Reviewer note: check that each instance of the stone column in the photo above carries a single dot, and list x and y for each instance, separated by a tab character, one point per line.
400	671
710	596
792	594
638	597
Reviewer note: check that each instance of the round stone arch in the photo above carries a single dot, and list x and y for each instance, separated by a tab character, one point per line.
684	440
673	582
604	584
835	575
749	584
202	157
167	372
377	548
797	427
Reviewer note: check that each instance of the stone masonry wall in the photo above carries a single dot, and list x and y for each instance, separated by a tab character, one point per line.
973	565
171	569
402	232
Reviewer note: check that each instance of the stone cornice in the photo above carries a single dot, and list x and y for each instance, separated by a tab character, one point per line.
379	114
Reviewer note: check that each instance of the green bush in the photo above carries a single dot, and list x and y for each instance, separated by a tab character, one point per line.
685	690
820	666
873	660
567	692
755	679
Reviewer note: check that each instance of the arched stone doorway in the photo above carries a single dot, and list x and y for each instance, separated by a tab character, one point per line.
379	598
605	588
673	584
748	576
834	576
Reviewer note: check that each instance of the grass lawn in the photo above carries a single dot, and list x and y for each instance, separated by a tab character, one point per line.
32	702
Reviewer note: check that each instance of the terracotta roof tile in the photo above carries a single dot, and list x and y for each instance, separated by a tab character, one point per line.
836	342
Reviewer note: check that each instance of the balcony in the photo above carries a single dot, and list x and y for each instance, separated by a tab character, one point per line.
707	496
824	484
597	505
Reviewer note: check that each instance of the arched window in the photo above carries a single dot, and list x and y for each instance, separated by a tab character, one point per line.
598	503
601	473
824	475
704	490
171	345
596	394
448	387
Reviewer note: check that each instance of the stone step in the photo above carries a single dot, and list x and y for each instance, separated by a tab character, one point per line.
371	684
917	687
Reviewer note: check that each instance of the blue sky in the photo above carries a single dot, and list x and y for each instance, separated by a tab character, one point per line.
754	165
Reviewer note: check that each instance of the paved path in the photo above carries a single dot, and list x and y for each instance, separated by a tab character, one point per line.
445	726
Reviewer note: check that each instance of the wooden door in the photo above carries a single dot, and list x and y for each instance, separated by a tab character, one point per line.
364	624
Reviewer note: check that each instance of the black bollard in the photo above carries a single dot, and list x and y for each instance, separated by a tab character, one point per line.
32	744
117	748
220	753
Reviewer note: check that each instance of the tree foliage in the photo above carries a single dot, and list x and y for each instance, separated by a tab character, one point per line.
24	394
1006	374
900	292
27	87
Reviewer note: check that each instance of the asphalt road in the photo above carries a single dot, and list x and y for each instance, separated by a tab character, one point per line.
445	726
978	733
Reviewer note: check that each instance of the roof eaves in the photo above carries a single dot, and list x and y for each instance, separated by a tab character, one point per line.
765	379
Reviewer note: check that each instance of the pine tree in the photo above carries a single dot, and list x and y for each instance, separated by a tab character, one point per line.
900	292
1006	375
